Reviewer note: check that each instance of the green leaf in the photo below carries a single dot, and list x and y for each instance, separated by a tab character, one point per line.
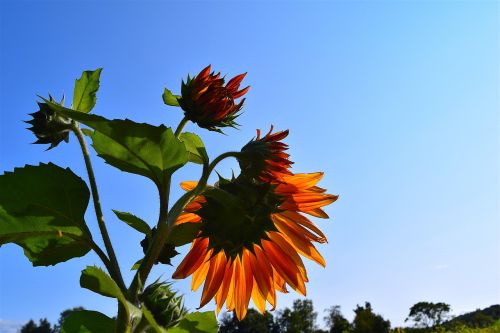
86	321
42	210
195	147
95	279
169	98
197	322
86	86
143	149
133	221
136	265
183	233
98	281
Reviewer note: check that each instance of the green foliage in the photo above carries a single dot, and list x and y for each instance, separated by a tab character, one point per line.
42	210
428	314
63	316
335	321
42	327
95	279
143	149
133	221
197	322
84	95
366	321
254	322
195	147
300	319
169	98
88	322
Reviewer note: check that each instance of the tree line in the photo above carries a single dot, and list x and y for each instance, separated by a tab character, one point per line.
302	318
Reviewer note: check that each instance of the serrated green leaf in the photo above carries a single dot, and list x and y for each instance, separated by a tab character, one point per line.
95	279
195	147
86	321
197	322
143	149
133	221
84	95
183	233
169	98
42	210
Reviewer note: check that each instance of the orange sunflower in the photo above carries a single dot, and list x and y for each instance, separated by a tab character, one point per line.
252	235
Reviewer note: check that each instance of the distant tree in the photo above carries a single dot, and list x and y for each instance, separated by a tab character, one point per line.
42	327
254	322
335	321
365	321
300	319
62	317
428	314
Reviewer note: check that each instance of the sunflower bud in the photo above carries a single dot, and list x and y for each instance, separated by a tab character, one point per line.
48	126
265	158
207	102
166	307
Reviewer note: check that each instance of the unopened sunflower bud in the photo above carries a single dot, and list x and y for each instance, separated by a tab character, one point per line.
49	127
265	158
207	102
167	308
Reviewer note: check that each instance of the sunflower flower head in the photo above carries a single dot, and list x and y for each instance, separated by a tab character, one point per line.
49	127
209	103
251	239
264	158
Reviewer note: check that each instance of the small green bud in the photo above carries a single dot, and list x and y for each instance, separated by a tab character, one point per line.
167	308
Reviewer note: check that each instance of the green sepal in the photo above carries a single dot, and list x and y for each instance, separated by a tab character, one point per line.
84	95
42	210
154	326
133	221
199	322
169	98
195	147
183	233
136	265
143	149
86	321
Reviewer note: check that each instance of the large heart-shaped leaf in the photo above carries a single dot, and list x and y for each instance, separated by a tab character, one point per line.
88	322
143	149
42	210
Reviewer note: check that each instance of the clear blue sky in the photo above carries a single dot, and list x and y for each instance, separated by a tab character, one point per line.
398	102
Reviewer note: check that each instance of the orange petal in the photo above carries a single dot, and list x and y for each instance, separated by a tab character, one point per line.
187	217
201	273
193	259
294	217
292	253
258	298
188	185
285	266
223	291
214	278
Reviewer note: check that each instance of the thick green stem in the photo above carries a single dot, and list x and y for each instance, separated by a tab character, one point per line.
179	129
114	269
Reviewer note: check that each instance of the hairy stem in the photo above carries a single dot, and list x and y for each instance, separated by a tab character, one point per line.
114	269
